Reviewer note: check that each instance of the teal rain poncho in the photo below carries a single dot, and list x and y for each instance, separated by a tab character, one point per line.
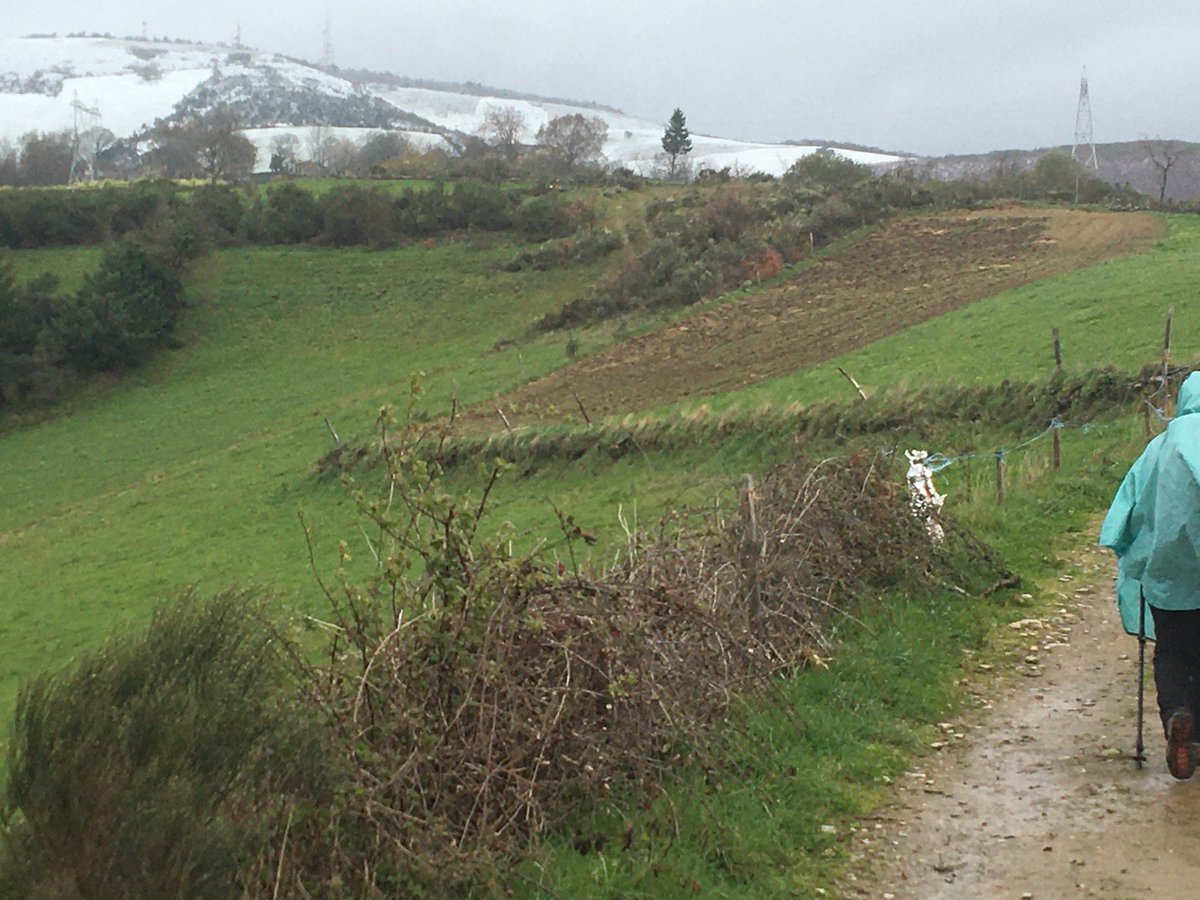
1153	524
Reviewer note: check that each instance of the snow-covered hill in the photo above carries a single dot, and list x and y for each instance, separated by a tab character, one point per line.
132	83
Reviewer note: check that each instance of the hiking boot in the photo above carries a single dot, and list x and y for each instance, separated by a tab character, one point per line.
1180	762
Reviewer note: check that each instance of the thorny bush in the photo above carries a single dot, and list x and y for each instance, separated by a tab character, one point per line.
469	699
482	698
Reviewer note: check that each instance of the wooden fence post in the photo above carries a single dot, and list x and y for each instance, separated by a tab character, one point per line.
337	440
1000	476
751	549
1057	446
858	387
586	418
1166	363
504	418
1057	353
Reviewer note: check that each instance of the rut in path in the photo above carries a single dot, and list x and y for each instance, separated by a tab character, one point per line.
1040	797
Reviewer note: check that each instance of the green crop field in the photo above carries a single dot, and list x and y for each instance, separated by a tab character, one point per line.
192	470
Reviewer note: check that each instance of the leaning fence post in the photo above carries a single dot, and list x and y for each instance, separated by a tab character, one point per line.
1000	476
586	418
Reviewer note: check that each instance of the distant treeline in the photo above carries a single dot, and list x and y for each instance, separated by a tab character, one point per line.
346	215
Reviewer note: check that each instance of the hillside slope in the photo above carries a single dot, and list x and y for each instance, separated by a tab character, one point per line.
913	270
1125	162
132	83
191	471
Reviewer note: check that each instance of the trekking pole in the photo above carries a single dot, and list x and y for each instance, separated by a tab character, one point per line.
1140	754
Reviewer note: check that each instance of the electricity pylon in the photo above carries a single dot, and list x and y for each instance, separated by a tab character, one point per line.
1083	127
83	141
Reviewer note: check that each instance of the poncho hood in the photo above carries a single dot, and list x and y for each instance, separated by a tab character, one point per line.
1153	524
1189	396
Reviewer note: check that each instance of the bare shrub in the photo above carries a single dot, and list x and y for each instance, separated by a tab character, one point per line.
471	699
481	698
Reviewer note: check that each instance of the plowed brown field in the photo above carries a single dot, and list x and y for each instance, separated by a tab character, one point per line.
912	270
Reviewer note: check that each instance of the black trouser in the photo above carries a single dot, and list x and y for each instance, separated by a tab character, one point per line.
1176	661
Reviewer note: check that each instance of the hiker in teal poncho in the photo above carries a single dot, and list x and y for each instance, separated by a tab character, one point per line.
1153	526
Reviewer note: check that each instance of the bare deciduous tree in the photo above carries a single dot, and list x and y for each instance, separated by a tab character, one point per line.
575	139
502	127
317	142
221	150
1163	155
341	156
284	149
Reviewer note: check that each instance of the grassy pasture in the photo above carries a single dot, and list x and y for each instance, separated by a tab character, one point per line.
192	471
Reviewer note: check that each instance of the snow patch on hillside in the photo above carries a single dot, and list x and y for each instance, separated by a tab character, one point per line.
132	83
127	103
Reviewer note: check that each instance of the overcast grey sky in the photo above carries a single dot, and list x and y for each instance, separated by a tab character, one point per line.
935	77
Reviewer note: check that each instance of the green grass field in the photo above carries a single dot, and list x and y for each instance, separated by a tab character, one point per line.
192	471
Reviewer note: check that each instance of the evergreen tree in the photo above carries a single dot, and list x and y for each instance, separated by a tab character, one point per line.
676	141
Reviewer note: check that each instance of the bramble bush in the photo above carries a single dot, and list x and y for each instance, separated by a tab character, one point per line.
554	254
353	215
466	702
284	214
33	217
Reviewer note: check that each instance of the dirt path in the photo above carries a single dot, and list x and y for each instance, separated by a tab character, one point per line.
914	269
1039	797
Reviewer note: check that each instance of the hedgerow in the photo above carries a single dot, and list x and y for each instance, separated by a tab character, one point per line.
470	700
219	215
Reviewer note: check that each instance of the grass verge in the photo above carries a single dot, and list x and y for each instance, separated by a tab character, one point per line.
769	812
